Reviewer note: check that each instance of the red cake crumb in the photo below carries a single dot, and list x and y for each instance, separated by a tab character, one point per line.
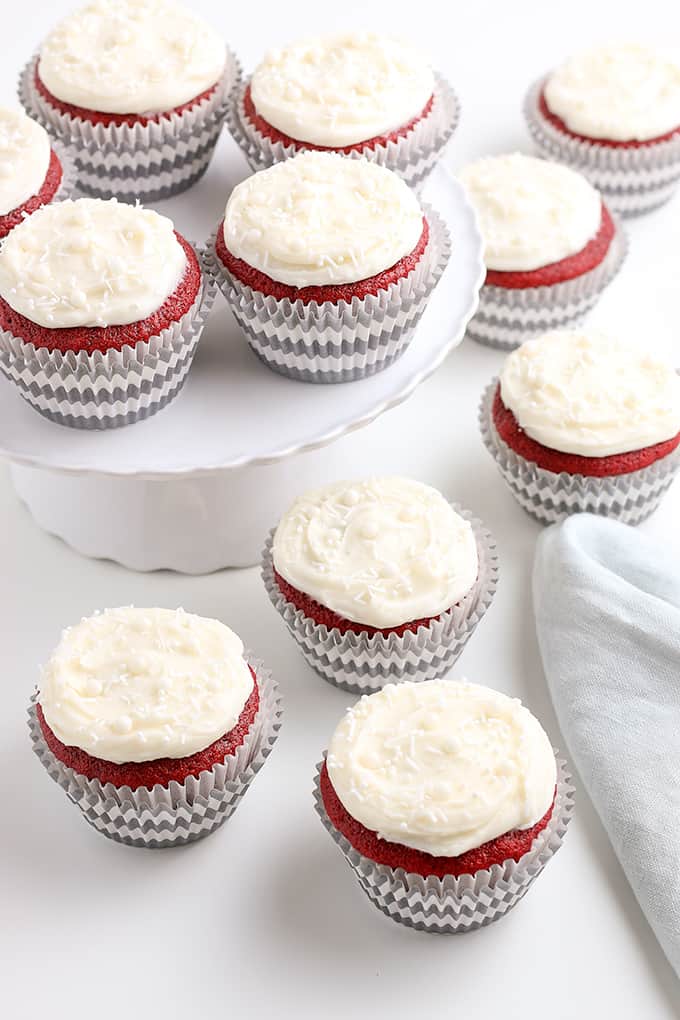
106	119
558	123
105	338
566	269
258	281
48	190
159	771
274	135
512	433
513	844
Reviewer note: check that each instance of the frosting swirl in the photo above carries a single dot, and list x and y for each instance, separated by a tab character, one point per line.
342	89
531	212
24	158
442	766
589	394
382	552
132	685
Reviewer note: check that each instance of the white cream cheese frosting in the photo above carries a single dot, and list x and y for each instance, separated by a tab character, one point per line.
321	219
531	212
24	158
590	394
132	685
442	766
131	56
90	262
620	92
343	89
380	551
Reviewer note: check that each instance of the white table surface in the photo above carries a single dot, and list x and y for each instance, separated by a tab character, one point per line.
265	914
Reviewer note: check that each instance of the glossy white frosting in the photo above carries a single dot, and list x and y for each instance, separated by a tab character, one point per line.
90	262
322	219
619	92
342	89
531	212
585	393
381	551
442	766
24	158
131	685
131	56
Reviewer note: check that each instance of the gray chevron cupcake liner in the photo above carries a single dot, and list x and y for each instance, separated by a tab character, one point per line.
505	318
178	813
363	663
107	389
145	162
413	157
632	180
452	906
341	341
550	497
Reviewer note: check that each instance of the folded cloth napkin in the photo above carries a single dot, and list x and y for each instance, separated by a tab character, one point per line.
607	604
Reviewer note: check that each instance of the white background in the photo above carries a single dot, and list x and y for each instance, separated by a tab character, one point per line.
265	915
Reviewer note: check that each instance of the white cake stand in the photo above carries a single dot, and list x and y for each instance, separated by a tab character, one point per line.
198	486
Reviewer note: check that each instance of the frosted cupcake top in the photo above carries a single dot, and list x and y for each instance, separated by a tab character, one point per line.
131	56
588	394
342	89
618	92
90	262
531	212
24	158
442	766
132	685
322	219
382	551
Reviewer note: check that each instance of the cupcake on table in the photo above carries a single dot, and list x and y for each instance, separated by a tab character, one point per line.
379	579
32	174
551	247
446	800
136	89
328	264
613	113
360	94
579	421
154	723
102	305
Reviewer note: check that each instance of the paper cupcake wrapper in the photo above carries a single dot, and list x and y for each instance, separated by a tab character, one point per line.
108	389
505	318
362	663
148	162
179	812
413	157
550	497
335	341
451	906
632	180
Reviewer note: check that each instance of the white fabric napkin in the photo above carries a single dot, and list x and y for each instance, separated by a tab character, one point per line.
607	604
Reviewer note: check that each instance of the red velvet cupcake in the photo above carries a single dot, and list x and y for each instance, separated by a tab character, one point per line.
31	172
581	422
357	94
551	247
446	800
153	722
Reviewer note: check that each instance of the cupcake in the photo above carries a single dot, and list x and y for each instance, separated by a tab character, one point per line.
359	94
446	800
137	90
551	247
379	579
31	172
583	422
613	113
154	723
102	305
327	264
